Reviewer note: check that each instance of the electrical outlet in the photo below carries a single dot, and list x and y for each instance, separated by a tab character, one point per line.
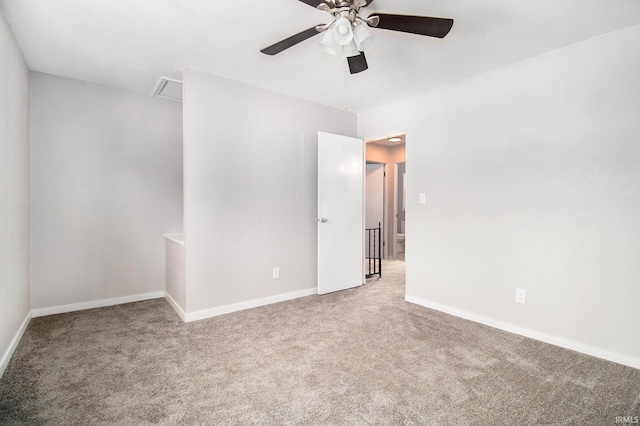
521	295
276	273
423	198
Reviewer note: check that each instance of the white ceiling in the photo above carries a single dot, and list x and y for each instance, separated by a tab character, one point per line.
130	44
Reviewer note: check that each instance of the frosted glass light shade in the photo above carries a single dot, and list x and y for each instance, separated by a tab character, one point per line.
350	50
342	32
362	37
328	45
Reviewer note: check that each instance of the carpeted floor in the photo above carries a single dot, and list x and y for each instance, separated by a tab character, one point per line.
362	356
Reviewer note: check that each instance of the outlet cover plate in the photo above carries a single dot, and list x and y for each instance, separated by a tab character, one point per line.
521	295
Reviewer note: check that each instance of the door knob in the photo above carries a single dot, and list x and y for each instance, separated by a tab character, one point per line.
323	220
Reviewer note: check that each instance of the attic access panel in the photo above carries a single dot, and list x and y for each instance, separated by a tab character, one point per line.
169	88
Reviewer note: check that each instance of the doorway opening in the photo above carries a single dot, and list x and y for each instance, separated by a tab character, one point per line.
388	154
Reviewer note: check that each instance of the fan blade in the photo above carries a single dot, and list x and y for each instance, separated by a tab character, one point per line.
290	41
312	3
357	63
422	25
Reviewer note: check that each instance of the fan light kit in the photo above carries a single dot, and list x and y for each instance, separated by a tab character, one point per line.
348	35
347	31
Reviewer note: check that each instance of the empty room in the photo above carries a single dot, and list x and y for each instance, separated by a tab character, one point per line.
186	231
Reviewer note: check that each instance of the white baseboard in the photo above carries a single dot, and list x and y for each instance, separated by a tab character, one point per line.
175	306
6	357
213	312
41	312
543	337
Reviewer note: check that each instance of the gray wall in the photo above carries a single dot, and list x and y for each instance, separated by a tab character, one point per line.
532	176
106	175
14	192
250	190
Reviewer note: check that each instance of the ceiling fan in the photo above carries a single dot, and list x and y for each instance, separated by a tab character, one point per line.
347	33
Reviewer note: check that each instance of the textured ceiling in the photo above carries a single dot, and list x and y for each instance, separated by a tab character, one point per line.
130	44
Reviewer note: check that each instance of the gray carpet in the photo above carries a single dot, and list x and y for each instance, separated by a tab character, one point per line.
362	356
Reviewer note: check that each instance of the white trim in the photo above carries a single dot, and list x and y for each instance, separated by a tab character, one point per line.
213	312
41	312
395	210
175	306
14	344
543	337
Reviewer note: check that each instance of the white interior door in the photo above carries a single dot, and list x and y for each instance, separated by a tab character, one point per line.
340	212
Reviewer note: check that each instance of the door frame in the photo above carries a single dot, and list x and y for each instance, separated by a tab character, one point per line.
396	210
385	200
